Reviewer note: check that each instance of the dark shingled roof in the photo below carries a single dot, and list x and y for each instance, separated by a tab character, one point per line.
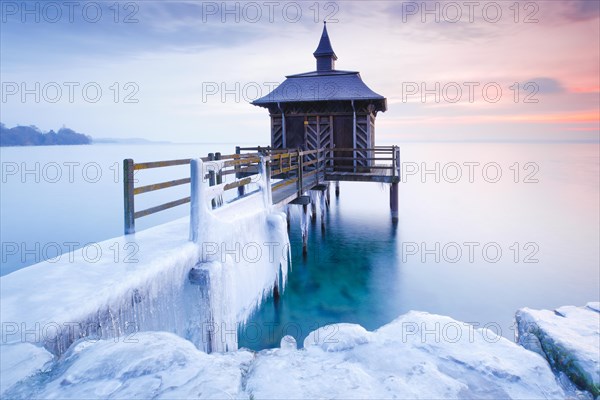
319	86
323	85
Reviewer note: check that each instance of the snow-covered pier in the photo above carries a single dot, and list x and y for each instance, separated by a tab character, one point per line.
236	238
289	176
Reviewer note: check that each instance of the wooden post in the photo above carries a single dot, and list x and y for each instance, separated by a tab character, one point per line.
276	294
394	201
304	229
238	175
196	179
219	178
323	201
313	209
397	151
211	176
337	188
300	174
128	196
219	174
328	194
288	217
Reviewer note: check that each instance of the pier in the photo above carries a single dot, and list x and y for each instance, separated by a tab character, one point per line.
290	175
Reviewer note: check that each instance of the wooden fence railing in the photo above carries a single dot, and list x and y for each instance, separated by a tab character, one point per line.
237	164
286	166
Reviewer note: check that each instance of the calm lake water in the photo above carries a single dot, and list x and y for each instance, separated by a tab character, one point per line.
485	228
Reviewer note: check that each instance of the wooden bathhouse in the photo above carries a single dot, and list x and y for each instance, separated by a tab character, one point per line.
324	108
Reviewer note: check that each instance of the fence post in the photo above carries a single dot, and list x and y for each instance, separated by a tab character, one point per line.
196	178
238	175
300	173
398	161
394	162
128	196
211	176
317	166
219	200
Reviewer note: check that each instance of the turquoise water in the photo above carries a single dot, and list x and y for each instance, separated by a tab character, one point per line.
541	213
542	216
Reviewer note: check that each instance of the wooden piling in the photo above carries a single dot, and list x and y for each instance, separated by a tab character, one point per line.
313	209
337	189
288	217
276	294
304	229
394	201
322	206
328	194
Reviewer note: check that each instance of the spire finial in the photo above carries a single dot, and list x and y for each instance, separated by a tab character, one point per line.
324	54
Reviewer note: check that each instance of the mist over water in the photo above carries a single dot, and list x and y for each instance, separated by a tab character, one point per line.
532	207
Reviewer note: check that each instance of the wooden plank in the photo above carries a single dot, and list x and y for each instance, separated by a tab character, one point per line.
241	161
162	185
236	184
361	158
160	164
162	207
356	177
379	149
282	184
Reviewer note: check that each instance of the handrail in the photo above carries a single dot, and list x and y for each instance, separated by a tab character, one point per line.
293	166
222	164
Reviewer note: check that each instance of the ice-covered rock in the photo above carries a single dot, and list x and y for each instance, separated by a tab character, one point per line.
288	343
337	337
19	361
416	356
569	338
148	365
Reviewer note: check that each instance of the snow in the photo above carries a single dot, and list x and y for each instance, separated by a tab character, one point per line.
140	282
418	355
19	361
569	338
149	365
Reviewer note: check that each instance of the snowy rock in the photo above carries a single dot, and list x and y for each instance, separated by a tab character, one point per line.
19	361
569	338
288	343
337	337
149	365
594	306
416	356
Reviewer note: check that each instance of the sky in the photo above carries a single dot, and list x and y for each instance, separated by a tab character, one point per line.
186	71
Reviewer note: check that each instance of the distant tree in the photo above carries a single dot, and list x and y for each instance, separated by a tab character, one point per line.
33	136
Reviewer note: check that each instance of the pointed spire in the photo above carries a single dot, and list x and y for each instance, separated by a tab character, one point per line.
324	54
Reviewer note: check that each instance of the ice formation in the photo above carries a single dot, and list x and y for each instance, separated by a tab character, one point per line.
140	282
418	355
